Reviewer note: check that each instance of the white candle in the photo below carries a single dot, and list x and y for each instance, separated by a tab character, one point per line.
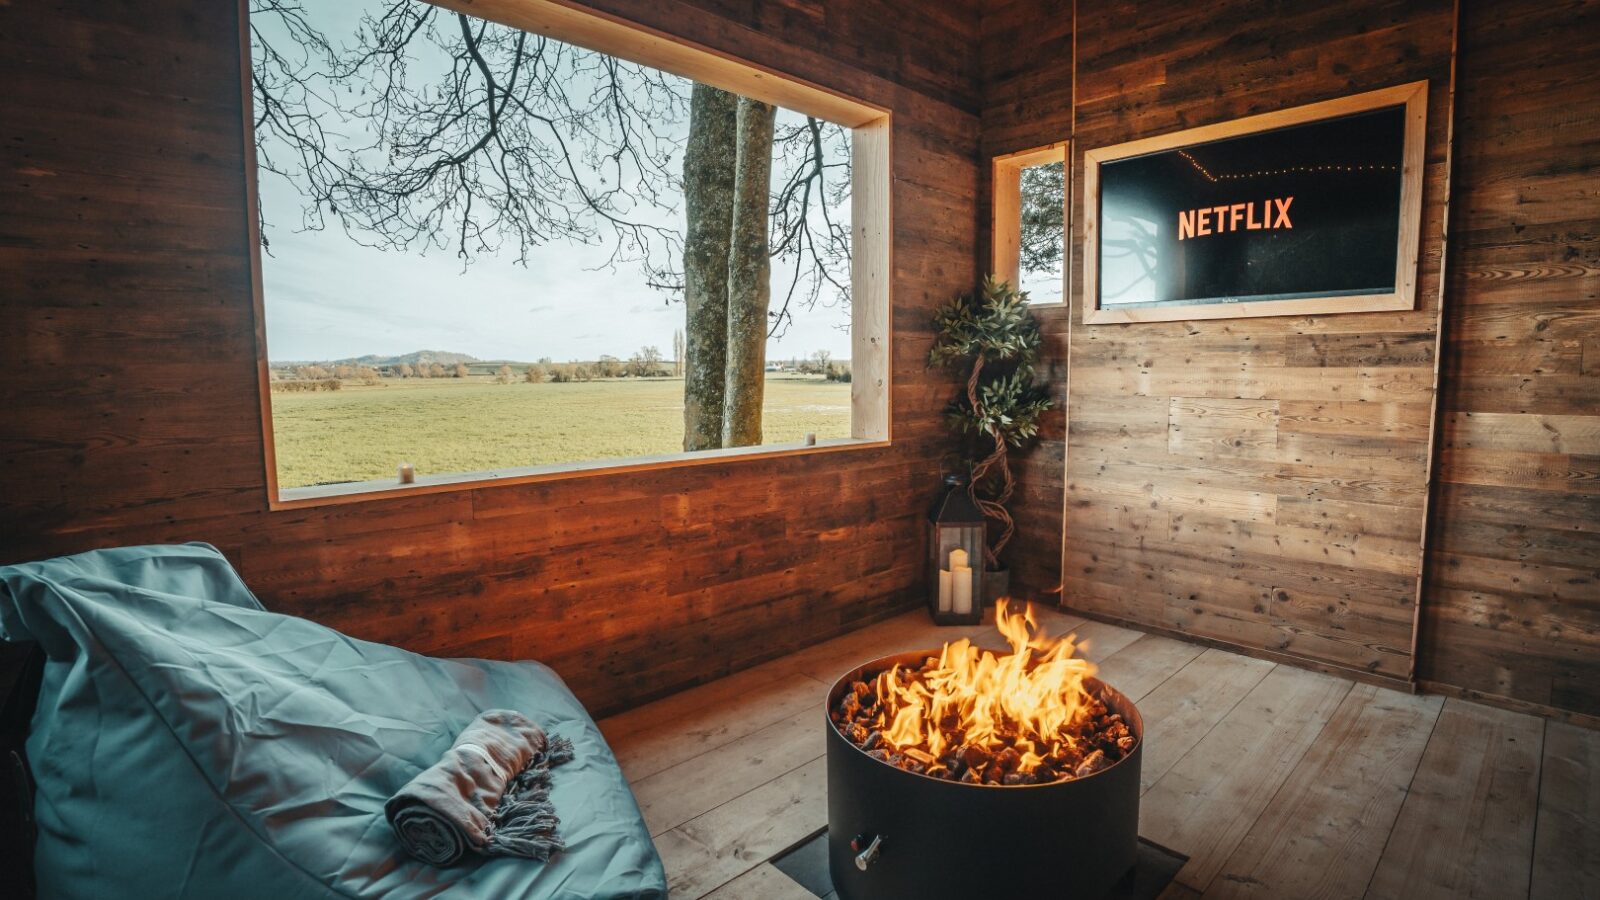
945	590
961	588
958	557
408	473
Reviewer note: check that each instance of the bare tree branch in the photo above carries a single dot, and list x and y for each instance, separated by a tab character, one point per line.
815	159
432	129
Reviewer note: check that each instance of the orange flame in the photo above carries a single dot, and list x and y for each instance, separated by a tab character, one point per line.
970	697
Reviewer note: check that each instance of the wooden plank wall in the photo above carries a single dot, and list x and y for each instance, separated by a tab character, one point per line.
1261	482
1512	607
1025	47
128	381
1258	482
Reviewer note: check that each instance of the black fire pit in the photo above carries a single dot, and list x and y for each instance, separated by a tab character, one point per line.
896	835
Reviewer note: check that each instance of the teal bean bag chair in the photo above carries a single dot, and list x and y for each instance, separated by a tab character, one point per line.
188	743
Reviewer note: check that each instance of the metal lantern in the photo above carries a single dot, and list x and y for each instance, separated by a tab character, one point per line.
955	557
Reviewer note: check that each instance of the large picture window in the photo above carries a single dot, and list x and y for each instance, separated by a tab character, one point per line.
493	250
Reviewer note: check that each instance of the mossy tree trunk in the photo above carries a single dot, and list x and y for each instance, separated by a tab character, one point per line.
709	167
727	267
749	277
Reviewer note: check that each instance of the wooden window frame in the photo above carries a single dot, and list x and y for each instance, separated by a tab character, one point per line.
1413	96
1005	246
871	251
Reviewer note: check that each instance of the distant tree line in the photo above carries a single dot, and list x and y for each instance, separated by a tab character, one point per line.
305	385
285	378
433	370
819	363
646	362
319	372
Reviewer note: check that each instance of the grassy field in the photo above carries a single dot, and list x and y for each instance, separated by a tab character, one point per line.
447	425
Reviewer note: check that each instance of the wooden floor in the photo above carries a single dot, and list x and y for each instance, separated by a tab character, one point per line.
1276	782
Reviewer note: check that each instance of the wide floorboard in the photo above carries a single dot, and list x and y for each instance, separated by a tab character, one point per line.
1273	781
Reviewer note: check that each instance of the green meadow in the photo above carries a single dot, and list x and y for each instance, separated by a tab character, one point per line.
363	432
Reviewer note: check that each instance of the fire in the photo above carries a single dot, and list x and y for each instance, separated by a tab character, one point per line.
1015	718
1034	695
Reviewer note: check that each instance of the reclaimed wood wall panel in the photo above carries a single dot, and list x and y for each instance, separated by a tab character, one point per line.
128	370
1257	482
1304	542
1025	54
1512	600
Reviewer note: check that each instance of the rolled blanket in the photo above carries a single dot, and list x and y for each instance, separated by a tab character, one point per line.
489	793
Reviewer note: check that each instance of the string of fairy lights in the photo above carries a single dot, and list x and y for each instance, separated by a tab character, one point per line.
1288	170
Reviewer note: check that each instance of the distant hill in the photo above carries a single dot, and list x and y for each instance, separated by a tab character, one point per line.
419	357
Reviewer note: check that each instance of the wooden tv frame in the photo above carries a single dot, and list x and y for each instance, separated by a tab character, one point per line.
1413	96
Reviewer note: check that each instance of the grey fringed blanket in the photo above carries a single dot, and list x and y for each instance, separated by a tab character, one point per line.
489	793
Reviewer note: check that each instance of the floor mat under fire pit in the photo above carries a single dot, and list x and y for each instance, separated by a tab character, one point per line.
807	864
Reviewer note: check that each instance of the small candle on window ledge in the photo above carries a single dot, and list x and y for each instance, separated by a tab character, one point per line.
408	473
811	439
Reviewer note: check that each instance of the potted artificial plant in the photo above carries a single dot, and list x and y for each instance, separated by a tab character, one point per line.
992	338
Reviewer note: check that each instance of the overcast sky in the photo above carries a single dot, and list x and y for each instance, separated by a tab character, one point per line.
329	297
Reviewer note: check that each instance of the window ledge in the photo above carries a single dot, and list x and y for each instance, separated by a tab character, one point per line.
357	491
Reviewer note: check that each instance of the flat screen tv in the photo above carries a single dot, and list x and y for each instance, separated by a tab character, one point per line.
1308	210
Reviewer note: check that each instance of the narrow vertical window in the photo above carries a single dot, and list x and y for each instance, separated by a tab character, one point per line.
1030	222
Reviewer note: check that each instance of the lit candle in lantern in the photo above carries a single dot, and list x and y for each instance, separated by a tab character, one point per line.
960	583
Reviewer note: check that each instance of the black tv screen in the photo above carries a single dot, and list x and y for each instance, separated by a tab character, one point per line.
1308	210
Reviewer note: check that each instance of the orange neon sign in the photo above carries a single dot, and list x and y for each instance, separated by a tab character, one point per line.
1274	213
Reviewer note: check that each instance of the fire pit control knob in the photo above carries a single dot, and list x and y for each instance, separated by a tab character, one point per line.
868	856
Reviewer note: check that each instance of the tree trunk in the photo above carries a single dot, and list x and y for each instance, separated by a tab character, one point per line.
708	185
749	277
